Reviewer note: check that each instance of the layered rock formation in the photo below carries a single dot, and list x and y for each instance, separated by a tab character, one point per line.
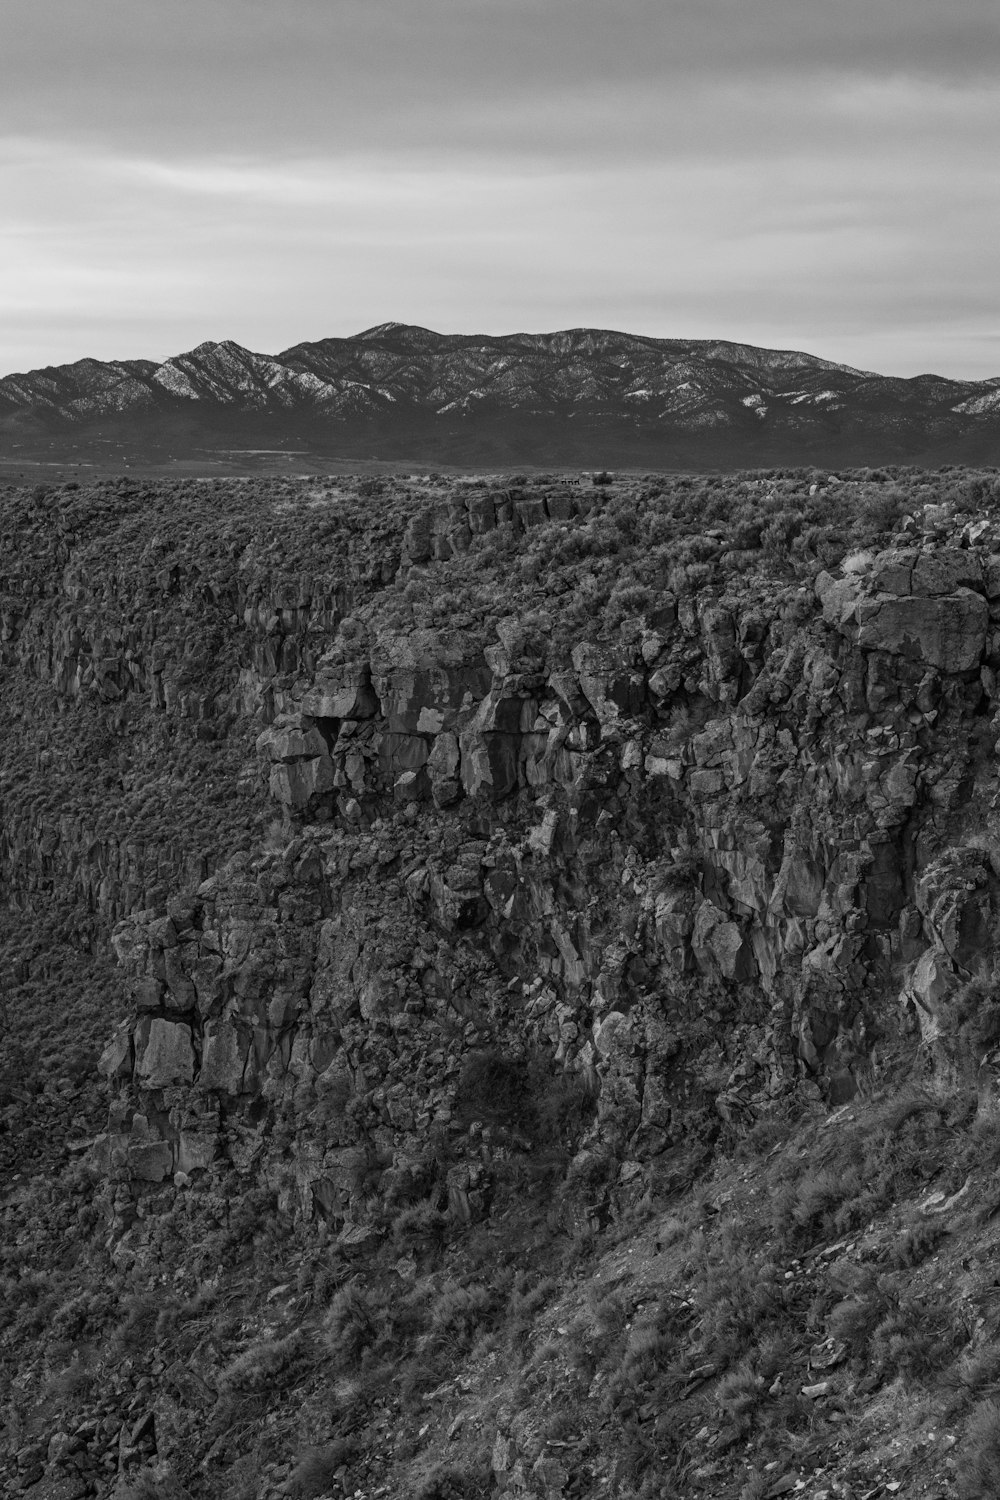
377	860
692	868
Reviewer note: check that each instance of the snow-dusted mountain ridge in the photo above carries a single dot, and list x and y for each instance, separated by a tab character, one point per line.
401	380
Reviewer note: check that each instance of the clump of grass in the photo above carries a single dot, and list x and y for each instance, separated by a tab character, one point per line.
978	1472
815	1204
455	1481
562	1427
608	1311
316	1471
916	1243
853	1320
740	1392
159	1483
898	1111
547	1353
267	1364
970	1021
135	1332
756	1486
420	1228
976	1369
916	1338
73	1381
241	1481
84	1314
350	1325
525	1304
650	1345
457	1313
737	1296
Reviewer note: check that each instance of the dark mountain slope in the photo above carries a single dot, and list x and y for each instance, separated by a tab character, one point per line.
587	396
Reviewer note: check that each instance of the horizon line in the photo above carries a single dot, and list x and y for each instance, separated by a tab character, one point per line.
393	324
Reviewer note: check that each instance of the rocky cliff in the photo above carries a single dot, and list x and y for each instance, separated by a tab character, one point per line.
461	848
746	815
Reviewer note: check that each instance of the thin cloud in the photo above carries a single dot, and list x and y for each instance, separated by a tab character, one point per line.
819	177
806	253
343	71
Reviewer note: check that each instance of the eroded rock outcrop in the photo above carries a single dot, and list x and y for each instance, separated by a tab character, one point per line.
484	853
724	848
688	868
923	605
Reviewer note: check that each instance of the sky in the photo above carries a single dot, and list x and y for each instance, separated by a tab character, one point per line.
810	174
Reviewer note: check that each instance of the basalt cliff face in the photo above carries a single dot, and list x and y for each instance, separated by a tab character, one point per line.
754	816
411	855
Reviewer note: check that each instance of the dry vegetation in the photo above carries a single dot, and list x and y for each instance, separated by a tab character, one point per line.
812	1310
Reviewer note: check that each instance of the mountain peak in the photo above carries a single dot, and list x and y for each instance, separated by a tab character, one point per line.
588	395
402	336
379	329
212	348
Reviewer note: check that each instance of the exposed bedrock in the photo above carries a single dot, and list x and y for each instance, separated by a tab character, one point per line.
923	606
690	870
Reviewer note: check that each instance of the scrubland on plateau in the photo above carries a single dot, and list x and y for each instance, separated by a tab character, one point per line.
499	986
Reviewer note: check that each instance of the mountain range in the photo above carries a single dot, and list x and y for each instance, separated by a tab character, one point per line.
582	395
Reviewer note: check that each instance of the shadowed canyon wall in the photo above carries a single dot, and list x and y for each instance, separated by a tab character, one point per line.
397	805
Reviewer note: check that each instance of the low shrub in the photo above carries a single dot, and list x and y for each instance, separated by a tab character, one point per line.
350	1325
970	1022
916	1338
316	1471
457	1313
135	1332
739	1393
455	1481
265	1365
158	1483
917	1242
737	1295
975	1372
493	1087
421	1228
853	1320
978	1471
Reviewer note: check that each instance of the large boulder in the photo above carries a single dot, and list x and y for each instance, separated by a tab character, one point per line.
954	895
222	1061
613	689
164	1053
342	691
923	606
948	632
927	575
300	766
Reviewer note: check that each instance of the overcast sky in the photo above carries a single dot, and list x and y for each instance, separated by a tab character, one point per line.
812	174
